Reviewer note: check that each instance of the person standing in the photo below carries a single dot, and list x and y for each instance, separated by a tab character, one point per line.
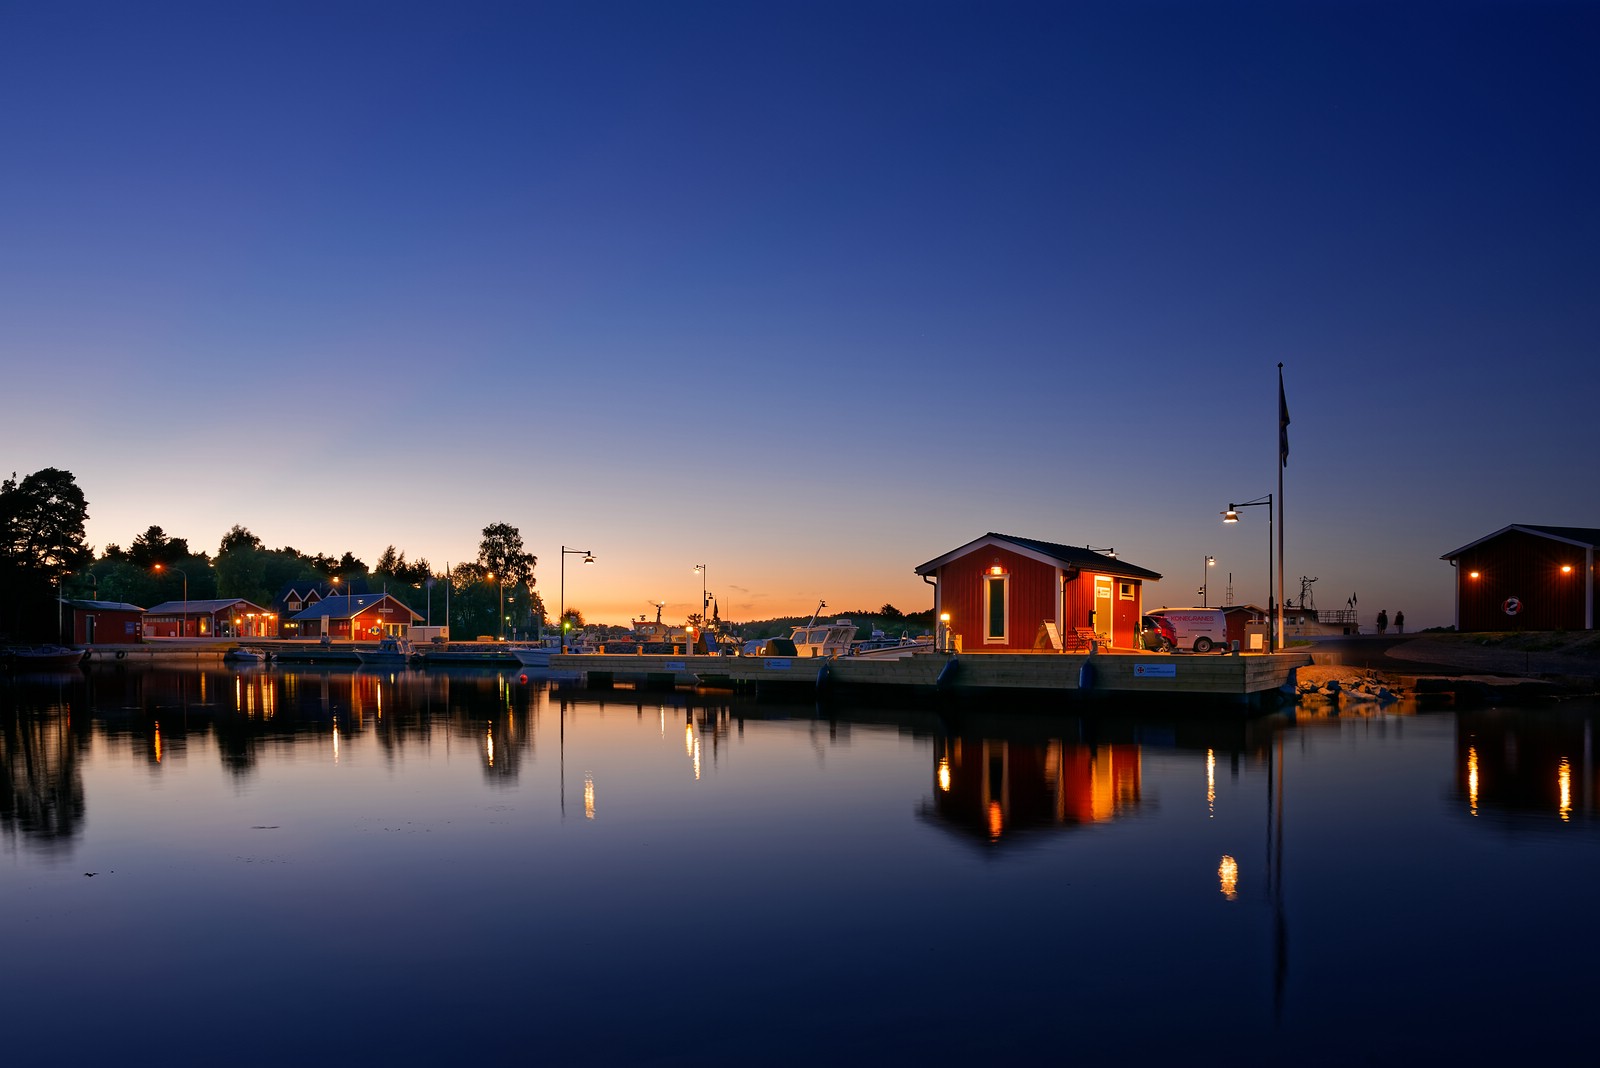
1383	621
1399	622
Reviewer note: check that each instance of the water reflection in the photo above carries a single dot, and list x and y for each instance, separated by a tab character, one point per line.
1528	766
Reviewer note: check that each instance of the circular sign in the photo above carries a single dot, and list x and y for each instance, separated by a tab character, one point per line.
1512	606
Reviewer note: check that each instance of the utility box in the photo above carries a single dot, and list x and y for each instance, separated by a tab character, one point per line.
1255	637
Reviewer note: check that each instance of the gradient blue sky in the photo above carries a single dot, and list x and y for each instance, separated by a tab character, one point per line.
808	292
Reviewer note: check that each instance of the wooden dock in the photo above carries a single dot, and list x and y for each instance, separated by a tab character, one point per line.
1245	678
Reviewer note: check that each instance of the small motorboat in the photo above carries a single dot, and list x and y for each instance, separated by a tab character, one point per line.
42	657
245	654
391	652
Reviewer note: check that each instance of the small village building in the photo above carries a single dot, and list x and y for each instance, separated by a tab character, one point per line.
104	623
357	617
220	617
1008	594
1526	577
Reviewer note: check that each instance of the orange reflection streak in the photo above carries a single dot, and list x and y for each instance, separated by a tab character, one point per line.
1228	877
1472	778
1564	781
697	760
488	744
336	743
944	774
1211	782
997	821
588	796
158	743
688	739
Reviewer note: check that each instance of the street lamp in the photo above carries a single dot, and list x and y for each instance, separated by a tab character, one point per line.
500	583
183	630
588	558
701	570
1232	516
1205	581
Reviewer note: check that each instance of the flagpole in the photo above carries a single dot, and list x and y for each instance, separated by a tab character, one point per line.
1283	461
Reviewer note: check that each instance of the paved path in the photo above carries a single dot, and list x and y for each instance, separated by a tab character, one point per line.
1427	656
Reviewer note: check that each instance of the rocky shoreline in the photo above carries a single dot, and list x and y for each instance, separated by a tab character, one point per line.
1473	669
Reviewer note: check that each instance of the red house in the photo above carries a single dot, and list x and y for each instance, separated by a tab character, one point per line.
1526	577
1009	594
216	617
105	623
357	617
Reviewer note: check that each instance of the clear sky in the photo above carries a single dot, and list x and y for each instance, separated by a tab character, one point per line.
808	292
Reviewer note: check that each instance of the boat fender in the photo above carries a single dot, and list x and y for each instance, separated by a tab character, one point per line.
523	678
1086	675
122	654
822	676
947	673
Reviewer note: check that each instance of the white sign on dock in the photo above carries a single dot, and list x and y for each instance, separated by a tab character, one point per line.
1155	671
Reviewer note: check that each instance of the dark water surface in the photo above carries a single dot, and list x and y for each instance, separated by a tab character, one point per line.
302	866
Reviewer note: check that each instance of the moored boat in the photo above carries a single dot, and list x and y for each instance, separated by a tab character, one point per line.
246	654
42	657
391	652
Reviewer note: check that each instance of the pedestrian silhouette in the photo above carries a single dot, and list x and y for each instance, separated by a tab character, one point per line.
1383	620
1399	622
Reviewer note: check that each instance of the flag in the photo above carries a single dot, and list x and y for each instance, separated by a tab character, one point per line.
1283	422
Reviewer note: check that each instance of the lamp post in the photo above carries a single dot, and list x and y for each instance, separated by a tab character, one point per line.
1205	581
701	570
500	583
588	558
1275	638
183	629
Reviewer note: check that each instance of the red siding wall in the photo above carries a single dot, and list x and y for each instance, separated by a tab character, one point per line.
1528	568
1032	592
111	627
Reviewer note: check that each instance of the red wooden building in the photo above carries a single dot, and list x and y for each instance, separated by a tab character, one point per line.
1526	577
358	617
104	623
216	617
1001	591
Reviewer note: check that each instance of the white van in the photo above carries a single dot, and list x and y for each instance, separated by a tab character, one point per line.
1199	629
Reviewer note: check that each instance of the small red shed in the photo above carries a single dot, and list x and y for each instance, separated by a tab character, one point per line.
105	623
1526	577
1007	594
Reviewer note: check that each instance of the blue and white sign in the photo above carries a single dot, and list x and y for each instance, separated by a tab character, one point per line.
1155	671
776	663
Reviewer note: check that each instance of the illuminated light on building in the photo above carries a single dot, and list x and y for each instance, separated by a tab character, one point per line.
1228	877
1211	783
944	774
1472	574
1564	782
1472	779
588	796
1566	569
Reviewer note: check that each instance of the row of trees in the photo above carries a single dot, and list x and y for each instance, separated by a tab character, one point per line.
43	554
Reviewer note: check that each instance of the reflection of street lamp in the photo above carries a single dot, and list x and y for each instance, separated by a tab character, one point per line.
183	630
1205	580
1275	640
588	558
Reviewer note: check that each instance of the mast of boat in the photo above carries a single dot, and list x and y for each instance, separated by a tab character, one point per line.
820	606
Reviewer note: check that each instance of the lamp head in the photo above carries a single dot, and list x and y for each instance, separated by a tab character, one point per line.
1230	516
588	558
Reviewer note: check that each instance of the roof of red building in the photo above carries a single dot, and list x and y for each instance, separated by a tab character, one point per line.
1586	537
1070	557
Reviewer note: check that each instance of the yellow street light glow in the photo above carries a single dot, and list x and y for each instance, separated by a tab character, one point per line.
1472	574
1566	569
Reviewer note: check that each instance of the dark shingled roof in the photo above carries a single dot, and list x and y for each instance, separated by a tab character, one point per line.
1072	557
1589	537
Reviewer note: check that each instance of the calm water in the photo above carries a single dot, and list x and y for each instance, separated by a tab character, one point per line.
301	866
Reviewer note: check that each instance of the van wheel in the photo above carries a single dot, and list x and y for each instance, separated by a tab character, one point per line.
1202	645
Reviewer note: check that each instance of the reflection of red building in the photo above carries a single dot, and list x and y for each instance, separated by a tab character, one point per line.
225	617
105	623
998	789
1533	764
1005	594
